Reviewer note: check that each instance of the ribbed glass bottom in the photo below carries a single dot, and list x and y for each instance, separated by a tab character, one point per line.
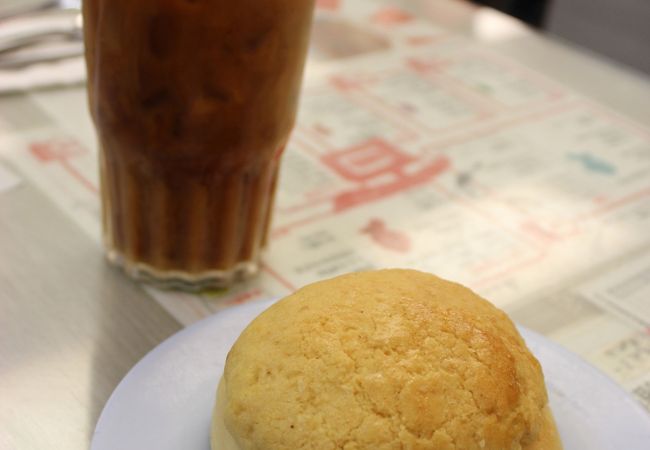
178	280
190	231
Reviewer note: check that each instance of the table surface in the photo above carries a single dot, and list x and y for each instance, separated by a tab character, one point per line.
71	326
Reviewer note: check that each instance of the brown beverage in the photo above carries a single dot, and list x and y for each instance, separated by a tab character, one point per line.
193	101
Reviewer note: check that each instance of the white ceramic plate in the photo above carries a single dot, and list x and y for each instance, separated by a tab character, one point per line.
165	401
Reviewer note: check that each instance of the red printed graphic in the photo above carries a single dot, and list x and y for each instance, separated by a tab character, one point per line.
539	233
328	5
322	129
376	159
282	280
389	239
62	151
368	160
426	39
552	231
56	149
391	16
377	170
344	84
246	296
427	66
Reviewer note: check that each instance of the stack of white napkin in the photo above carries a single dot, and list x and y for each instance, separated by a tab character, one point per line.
55	60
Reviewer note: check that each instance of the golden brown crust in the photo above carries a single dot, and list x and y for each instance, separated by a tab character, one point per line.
220	438
549	438
392	359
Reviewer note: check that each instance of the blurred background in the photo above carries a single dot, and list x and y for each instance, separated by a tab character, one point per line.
617	29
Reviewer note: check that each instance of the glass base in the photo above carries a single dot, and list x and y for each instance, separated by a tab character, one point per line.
183	281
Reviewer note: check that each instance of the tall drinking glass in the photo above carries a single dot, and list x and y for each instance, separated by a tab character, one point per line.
193	102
